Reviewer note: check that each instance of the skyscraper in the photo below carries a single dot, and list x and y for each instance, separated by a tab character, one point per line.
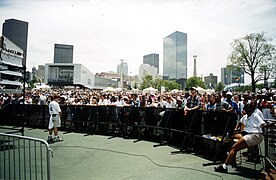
232	74
152	59
17	31
122	68
63	53
175	56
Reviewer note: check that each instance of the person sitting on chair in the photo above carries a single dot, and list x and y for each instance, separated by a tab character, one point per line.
252	136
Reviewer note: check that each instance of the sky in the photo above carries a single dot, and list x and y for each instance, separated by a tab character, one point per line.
105	31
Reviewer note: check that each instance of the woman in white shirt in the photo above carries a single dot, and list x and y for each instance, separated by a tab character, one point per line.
253	125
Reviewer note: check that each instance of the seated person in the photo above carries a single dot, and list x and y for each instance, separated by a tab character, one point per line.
253	125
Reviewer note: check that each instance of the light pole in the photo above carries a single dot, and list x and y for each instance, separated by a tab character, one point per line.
130	87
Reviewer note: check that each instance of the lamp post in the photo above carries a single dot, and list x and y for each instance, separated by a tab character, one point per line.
130	87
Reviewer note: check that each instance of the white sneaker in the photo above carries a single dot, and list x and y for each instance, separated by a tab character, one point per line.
57	139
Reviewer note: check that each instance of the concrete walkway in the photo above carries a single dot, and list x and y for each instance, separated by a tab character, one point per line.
97	157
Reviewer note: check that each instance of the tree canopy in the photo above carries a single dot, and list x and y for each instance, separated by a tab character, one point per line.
255	55
148	81
195	82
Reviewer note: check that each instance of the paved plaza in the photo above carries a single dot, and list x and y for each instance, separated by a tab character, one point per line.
99	157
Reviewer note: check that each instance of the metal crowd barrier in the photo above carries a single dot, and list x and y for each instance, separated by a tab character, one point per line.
24	157
161	125
270	146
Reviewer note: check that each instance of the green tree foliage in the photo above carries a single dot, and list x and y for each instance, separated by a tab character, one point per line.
157	83
147	82
195	81
219	87
32	83
255	55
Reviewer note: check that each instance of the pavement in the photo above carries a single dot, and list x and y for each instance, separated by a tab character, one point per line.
103	158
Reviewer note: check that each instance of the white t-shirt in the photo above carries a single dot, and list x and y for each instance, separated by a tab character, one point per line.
54	108
252	124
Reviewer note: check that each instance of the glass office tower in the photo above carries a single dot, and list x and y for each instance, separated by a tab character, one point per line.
152	59
175	56
17	31
232	74
63	53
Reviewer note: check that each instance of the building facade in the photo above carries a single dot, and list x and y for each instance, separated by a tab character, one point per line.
17	32
232	74
175	56
11	58
146	69
63	53
152	59
122	68
211	81
61	75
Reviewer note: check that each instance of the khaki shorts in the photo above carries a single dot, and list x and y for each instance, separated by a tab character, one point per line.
54	122
253	139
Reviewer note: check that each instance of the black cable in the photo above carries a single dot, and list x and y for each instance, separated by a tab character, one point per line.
140	155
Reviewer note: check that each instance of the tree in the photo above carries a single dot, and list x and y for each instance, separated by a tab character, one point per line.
255	55
195	81
147	82
157	83
219	87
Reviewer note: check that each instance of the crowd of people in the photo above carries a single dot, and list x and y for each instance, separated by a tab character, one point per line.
191	100
251	109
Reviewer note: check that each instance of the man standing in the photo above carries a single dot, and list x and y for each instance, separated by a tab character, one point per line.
55	122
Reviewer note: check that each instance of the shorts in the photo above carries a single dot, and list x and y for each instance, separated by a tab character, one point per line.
253	139
54	122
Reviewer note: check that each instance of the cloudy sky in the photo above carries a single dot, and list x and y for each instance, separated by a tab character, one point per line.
105	31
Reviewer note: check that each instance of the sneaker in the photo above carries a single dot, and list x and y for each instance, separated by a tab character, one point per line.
57	139
221	169
50	140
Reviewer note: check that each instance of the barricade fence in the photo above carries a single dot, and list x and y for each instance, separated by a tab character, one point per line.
198	129
270	146
24	157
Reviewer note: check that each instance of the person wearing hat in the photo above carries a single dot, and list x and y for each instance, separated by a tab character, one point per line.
230	101
54	122
193	101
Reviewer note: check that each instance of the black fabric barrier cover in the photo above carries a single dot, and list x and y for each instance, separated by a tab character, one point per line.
126	121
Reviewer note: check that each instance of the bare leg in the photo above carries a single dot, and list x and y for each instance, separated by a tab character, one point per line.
55	131
50	132
241	144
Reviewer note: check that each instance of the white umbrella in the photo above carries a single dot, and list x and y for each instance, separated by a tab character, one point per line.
109	89
174	91
43	87
150	90
200	90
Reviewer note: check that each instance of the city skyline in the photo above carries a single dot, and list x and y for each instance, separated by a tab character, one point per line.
103	32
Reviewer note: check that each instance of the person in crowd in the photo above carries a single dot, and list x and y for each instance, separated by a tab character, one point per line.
179	104
55	120
42	99
103	100
237	101
170	102
193	101
267	110
204	101
135	101
231	102
253	125
211	103
222	105
244	101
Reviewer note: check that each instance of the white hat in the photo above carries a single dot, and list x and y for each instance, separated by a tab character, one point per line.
229	93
